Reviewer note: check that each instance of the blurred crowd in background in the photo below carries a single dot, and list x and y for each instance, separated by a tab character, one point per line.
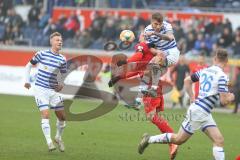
196	36
224	5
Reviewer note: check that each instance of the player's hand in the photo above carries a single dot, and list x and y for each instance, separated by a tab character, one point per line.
58	88
231	97
27	85
192	99
113	80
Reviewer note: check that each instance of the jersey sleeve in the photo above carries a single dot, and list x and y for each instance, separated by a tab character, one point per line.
223	84
195	76
36	58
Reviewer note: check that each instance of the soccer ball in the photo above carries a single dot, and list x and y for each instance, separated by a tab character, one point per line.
127	36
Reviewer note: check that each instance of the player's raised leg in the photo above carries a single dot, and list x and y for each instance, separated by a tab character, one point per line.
141	57
165	138
159	65
153	106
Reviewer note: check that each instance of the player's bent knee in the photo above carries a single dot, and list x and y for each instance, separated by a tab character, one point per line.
62	118
45	114
150	116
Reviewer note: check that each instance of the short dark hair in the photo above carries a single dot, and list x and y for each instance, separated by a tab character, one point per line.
157	16
221	54
55	34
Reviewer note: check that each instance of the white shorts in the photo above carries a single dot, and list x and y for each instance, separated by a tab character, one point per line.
197	118
48	98
172	56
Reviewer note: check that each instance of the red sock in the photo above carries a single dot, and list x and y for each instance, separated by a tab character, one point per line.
162	124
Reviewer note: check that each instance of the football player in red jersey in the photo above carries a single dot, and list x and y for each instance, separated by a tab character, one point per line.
152	107
141	57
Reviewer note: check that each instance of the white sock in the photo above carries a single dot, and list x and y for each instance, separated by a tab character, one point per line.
161	138
142	86
218	153
60	127
46	130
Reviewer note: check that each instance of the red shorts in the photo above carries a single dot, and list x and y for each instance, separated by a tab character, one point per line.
151	104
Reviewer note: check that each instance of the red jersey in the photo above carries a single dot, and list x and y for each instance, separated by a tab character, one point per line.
142	56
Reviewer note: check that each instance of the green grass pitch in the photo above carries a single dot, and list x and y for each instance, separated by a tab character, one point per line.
114	136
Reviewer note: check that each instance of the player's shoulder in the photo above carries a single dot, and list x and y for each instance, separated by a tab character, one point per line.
218	72
44	51
39	52
149	28
223	75
167	24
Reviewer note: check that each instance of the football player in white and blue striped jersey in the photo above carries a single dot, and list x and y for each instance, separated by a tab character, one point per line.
163	44
49	64
213	88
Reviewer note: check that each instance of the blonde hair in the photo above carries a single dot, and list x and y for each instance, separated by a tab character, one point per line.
55	34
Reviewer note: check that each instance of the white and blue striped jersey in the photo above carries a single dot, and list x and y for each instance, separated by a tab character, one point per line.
156	40
49	65
212	81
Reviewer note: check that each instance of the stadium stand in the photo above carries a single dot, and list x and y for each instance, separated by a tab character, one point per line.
199	35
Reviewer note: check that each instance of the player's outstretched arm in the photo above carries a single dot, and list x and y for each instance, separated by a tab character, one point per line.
27	75
188	86
167	37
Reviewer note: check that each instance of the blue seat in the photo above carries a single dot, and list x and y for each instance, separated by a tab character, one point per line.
2	30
